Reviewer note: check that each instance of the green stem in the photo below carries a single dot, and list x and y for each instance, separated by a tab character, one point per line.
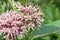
27	37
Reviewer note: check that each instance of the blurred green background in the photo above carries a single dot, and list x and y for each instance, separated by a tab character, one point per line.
50	8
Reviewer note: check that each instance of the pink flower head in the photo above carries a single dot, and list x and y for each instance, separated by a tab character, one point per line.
29	9
33	16
11	24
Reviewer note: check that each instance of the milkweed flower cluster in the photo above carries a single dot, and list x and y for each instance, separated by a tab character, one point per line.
32	14
13	24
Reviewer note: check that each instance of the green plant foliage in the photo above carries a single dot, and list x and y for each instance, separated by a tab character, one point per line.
43	38
43	31
2	36
23	2
20	37
51	13
55	23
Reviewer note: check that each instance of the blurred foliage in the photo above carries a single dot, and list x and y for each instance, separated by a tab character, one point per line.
51	12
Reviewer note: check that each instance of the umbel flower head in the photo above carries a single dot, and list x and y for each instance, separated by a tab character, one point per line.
11	24
32	14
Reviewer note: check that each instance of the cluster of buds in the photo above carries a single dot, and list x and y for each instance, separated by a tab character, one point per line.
32	15
13	24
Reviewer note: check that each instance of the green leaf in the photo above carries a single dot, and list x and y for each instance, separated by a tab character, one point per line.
43	31
11	4
20	37
55	23
43	38
3	7
2	36
52	13
23	2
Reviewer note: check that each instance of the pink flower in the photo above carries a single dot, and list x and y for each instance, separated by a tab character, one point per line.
11	24
30	9
32	15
